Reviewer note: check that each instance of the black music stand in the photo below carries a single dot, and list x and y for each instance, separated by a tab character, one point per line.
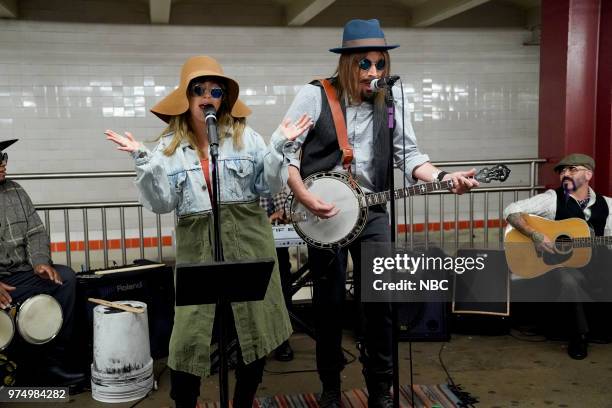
222	283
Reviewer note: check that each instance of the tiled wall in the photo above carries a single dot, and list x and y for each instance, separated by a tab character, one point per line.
473	94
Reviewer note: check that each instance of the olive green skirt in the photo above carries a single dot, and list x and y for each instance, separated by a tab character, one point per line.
261	326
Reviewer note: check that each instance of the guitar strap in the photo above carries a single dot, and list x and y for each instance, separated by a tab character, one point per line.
339	124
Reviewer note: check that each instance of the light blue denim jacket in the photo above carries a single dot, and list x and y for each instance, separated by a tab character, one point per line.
176	182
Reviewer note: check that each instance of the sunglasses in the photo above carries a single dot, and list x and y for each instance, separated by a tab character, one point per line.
199	90
572	169
365	64
3	159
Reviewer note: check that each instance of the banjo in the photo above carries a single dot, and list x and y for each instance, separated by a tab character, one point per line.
342	229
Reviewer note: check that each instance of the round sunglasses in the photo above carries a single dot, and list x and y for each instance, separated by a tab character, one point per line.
366	64
199	90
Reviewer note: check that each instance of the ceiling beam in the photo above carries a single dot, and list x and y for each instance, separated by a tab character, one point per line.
301	12
434	11
8	8
159	10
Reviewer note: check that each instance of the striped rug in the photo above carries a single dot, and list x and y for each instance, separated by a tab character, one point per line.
425	396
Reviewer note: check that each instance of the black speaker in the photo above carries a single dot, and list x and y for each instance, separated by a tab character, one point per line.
153	286
423	321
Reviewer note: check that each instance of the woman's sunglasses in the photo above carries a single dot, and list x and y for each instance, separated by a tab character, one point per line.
199	90
365	64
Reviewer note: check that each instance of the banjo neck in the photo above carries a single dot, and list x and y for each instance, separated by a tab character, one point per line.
418	189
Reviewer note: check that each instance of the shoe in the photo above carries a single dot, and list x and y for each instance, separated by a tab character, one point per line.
284	352
330	398
577	347
60	377
380	398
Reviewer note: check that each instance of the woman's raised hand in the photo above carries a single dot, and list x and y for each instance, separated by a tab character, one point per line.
293	130
126	143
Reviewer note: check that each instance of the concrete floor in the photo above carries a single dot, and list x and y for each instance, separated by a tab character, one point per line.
501	371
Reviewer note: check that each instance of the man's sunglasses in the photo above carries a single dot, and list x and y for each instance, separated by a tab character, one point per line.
365	64
4	158
199	90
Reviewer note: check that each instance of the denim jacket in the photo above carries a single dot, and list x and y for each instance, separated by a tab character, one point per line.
176	182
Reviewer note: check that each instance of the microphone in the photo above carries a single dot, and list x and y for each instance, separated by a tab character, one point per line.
382	83
210	117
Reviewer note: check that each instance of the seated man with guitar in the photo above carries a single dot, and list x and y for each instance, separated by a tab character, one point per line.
348	142
563	245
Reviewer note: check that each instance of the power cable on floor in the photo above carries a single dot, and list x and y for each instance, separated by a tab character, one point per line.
465	399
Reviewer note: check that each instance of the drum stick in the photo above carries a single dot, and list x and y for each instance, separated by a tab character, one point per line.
116	305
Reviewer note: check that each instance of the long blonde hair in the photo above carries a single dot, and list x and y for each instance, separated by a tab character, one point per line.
347	76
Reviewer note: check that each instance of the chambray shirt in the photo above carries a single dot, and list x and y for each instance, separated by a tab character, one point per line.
360	128
176	182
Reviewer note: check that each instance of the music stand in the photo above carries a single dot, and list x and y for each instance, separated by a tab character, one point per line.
222	283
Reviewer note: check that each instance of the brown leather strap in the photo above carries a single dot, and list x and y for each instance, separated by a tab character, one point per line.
339	123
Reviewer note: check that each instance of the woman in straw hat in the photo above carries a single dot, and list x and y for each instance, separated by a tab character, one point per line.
176	176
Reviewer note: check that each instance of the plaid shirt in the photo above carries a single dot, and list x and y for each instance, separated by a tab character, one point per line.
23	239
274	203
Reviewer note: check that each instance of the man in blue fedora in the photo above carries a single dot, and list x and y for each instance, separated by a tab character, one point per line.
364	56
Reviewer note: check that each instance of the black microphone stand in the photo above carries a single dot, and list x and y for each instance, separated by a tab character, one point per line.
222	305
390	105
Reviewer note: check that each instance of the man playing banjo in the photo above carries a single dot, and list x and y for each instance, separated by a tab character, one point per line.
365	155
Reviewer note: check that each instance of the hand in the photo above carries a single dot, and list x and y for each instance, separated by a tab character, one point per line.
5	297
47	272
292	130
126	143
278	217
317	206
542	242
463	181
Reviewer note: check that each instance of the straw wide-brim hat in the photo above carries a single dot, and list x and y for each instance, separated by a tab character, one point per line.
177	102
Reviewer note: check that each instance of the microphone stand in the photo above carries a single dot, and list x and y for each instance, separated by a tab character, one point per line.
390	105
222	305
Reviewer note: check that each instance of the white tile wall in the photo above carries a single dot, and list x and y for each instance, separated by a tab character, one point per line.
473	93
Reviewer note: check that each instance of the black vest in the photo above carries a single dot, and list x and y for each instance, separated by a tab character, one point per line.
570	209
321	152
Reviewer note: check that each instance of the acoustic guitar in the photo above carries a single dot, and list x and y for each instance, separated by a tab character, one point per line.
572	240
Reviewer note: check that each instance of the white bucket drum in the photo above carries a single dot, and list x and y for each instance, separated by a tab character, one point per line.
39	319
122	368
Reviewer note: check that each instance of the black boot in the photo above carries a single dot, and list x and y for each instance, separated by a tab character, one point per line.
330	397
379	393
578	347
58	376
244	394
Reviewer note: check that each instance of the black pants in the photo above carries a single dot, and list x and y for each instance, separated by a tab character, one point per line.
185	387
329	279
28	284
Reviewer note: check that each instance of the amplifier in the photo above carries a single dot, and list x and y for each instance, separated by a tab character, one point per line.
145	281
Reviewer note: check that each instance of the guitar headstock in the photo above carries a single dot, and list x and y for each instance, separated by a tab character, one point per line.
498	173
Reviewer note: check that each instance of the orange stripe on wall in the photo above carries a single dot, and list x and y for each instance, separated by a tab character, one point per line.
149	242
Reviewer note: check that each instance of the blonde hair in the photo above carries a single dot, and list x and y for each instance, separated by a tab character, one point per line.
228	127
347	76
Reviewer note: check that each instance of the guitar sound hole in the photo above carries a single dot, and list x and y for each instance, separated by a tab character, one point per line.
563	244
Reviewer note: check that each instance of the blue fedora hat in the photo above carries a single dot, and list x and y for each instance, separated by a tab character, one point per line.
363	35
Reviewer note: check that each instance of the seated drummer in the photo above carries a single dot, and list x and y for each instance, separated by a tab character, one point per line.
26	270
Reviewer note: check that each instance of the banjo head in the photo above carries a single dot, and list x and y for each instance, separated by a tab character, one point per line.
341	229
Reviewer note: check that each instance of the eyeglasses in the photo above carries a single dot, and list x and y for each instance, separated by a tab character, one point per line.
199	90
572	169
3	158
365	64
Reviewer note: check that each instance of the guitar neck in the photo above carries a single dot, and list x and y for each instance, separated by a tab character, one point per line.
591	241
418	189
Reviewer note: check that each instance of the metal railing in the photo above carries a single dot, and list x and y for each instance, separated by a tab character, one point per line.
405	210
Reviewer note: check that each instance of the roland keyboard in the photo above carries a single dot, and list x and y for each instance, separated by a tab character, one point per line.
285	236
119	269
